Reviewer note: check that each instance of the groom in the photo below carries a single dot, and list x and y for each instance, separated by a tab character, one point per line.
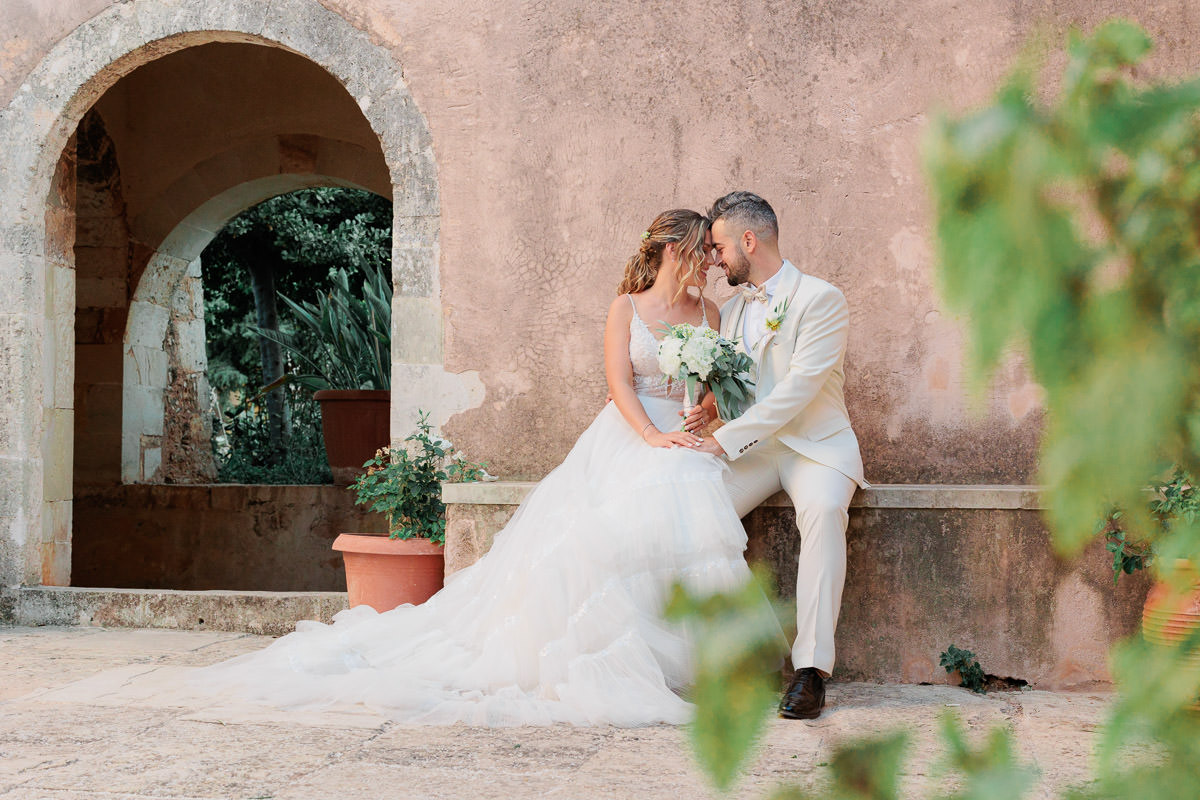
796	435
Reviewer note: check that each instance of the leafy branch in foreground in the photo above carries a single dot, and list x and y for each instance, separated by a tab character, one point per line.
739	651
1071	227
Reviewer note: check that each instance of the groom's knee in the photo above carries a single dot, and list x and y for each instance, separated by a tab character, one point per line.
822	513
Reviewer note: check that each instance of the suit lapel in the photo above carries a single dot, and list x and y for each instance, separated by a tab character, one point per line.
735	327
789	283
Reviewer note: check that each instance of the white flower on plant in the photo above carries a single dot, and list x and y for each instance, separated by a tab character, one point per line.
670	355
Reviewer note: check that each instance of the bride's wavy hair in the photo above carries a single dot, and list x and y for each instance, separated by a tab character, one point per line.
682	226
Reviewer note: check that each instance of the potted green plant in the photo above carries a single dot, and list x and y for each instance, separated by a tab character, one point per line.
343	353
404	484
1171	613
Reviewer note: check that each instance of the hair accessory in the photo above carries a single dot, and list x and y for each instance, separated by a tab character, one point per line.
645	235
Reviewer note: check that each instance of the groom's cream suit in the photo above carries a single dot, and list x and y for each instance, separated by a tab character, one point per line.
796	436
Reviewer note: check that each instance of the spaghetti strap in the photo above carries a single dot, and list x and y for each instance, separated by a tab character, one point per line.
635	313
704	311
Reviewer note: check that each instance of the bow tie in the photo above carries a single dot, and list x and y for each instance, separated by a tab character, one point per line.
752	294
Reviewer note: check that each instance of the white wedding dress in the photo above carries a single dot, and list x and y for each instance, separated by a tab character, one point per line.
561	620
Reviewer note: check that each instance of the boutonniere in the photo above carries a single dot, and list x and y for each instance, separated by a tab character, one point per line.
778	313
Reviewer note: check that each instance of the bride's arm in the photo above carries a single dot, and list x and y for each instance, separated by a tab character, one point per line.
619	372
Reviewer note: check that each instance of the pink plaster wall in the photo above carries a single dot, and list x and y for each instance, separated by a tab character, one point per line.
561	128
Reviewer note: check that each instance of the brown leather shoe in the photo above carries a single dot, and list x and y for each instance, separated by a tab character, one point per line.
805	695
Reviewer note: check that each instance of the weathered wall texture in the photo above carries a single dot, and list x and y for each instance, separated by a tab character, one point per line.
524	146
920	580
272	538
562	128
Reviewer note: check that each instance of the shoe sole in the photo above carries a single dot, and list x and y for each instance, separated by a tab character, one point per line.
794	715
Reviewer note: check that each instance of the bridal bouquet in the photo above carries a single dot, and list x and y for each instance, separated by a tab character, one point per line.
702	358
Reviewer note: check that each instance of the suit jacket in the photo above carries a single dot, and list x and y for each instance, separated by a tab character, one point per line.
799	377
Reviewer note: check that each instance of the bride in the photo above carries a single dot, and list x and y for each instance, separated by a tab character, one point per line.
561	620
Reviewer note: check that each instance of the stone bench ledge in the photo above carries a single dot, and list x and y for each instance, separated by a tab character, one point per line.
883	495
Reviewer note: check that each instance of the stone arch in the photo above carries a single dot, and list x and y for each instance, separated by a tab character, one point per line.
167	288
36	275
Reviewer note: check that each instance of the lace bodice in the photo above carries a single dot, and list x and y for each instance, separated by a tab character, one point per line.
648	379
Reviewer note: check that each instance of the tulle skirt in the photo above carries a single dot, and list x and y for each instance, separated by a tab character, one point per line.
559	622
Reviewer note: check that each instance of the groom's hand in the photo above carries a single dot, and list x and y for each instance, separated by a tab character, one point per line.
709	444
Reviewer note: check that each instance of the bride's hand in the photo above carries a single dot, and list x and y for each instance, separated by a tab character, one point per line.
697	417
672	439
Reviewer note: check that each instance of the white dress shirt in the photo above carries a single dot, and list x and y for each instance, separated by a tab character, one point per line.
754	322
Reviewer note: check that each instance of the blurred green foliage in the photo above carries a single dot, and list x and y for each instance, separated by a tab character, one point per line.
1070	228
739	652
1067	227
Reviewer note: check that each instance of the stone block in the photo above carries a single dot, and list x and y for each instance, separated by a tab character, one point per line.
12	550
101	292
160	281
12	482
151	463
60	235
101	232
470	531
131	456
267	613
191	354
102	262
142	410
416	330
147	324
366	70
415	184
157	19
56	521
24	238
145	366
59	353
98	364
58	453
414	271
97	457
99	410
21	279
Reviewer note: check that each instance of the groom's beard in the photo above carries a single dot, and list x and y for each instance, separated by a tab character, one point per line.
737	270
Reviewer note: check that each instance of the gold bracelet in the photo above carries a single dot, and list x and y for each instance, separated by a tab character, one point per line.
647	425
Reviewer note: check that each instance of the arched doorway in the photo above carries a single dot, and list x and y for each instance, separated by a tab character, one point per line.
37	239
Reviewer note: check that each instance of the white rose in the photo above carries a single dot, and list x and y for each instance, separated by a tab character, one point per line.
670	359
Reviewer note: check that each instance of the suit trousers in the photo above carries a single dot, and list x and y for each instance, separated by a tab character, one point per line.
821	496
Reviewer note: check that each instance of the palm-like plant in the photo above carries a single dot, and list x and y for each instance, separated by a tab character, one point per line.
352	335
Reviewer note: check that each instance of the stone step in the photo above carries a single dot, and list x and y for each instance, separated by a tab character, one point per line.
268	613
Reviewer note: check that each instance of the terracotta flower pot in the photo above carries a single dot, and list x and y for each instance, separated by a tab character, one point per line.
384	573
355	424
1170	616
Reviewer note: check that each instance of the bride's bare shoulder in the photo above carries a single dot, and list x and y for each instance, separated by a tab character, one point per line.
620	309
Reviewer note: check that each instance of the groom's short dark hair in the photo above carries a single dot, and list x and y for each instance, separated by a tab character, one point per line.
747	212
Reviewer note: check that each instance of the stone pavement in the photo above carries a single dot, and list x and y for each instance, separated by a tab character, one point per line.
93	713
